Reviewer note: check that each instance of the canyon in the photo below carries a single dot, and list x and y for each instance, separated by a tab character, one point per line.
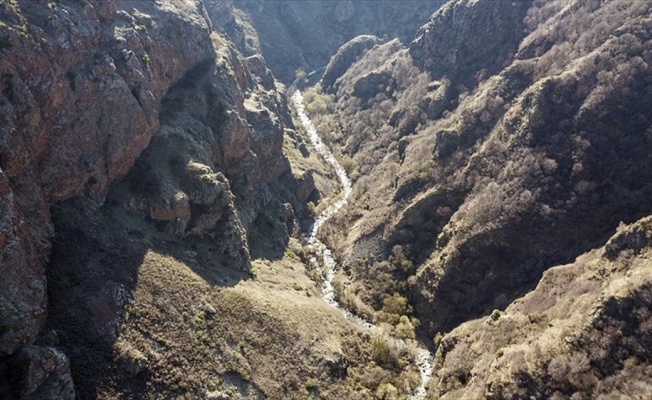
452	205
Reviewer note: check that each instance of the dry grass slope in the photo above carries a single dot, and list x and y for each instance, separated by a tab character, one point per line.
584	332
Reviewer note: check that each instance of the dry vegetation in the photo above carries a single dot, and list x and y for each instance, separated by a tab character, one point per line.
171	317
582	333
483	182
501	176
174	322
470	192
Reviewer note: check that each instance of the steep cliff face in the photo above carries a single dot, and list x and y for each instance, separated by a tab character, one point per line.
514	147
213	165
344	58
468	37
67	69
129	110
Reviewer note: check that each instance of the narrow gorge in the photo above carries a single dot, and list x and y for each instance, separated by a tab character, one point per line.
452	204
327	267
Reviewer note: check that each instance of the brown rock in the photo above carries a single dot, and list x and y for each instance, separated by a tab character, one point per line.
42	373
257	66
80	91
305	186
634	237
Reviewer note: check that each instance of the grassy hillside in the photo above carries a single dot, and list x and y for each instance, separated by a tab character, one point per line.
146	315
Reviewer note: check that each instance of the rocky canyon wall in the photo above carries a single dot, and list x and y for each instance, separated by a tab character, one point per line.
81	89
135	105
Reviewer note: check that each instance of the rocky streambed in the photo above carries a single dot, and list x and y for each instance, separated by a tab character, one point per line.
327	265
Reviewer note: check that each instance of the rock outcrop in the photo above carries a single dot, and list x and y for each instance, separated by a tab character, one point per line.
344	58
211	169
67	71
465	37
41	373
131	106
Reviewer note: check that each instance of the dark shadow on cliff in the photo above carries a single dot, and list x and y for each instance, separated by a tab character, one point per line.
269	238
284	216
94	268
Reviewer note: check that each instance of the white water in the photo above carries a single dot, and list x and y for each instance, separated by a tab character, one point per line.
423	358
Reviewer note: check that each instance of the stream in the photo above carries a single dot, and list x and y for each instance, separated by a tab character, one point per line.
423	357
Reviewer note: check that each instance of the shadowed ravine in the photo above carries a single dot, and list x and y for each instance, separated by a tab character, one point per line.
423	357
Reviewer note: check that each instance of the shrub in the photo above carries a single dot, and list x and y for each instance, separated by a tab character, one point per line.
438	339
302	76
375	376
397	304
404	329
387	391
383	352
4	43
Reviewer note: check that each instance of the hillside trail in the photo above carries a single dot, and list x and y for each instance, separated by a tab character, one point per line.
328	266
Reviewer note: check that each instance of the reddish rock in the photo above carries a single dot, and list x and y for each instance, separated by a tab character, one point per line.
80	92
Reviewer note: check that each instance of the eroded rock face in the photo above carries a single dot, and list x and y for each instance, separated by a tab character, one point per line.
67	71
23	295
468	36
55	94
96	91
41	373
211	169
344	58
